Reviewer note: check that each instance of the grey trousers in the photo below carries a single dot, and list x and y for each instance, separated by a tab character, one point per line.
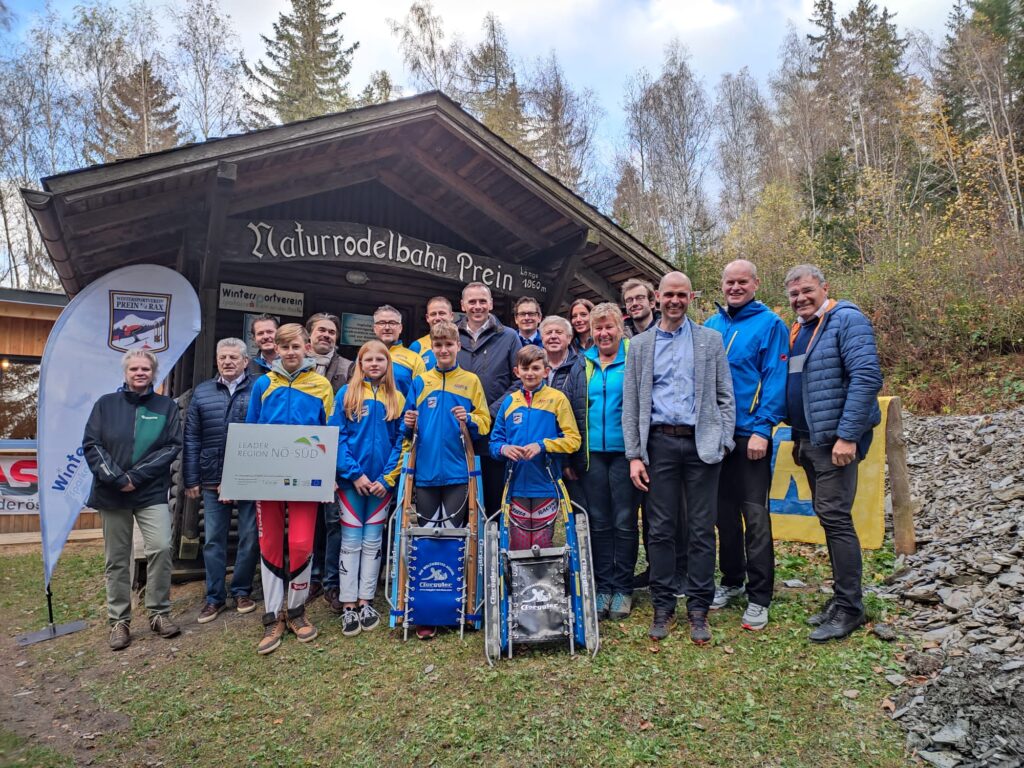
155	524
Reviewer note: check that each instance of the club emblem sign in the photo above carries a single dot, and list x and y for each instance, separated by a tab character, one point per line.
138	321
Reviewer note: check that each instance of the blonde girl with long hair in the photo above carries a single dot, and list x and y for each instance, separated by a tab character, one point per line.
369	413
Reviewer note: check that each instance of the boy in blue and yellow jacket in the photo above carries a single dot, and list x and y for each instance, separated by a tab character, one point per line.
439	400
442	398
291	393
534	426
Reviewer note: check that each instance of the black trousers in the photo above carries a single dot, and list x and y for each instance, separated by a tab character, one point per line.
681	540
745	549
832	491
493	474
442	506
683	494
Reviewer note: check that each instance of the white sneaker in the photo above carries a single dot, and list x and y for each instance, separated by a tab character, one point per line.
725	595
755	617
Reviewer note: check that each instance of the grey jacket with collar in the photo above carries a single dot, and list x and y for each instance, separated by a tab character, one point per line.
716	408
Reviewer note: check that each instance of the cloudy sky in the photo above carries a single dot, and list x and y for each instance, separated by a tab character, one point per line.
601	43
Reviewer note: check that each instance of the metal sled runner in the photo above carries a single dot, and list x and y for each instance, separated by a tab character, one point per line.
539	595
432	574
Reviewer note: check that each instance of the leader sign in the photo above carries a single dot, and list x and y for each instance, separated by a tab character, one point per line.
277	462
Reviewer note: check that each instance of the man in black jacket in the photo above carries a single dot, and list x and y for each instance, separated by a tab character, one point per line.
215	404
131	438
488	349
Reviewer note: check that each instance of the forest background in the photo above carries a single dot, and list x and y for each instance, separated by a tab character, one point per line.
892	160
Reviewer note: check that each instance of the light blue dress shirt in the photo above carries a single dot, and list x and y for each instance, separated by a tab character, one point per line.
674	397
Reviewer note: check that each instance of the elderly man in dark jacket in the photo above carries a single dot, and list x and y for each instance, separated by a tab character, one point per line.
215	404
832	398
131	438
488	349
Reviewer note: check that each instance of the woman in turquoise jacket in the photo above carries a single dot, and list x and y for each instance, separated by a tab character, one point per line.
612	498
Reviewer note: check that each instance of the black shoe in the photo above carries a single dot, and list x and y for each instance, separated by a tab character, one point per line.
838	626
350	625
331	595
827	611
700	632
661	625
315	590
642	580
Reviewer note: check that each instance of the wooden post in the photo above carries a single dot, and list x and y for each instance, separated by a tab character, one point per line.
899	481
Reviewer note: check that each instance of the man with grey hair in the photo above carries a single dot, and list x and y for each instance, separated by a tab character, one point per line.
832	398
215	404
757	347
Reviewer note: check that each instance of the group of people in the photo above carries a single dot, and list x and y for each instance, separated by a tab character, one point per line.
661	428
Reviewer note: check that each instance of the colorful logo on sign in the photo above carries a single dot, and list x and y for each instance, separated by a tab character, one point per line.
313	441
138	321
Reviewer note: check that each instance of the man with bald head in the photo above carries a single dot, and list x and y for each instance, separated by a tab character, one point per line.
757	346
678	415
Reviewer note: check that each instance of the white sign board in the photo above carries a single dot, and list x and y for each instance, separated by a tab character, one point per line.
19	484
277	462
250	298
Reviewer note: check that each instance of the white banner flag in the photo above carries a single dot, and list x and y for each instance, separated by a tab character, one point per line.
138	307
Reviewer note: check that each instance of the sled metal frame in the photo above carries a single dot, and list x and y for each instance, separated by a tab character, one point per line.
496	554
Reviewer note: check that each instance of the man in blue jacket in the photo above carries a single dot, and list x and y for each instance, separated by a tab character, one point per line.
832	399
757	346
215	404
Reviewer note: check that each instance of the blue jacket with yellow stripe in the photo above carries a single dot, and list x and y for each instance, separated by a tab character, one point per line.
757	346
423	348
545	417
303	398
369	445
406	365
440	457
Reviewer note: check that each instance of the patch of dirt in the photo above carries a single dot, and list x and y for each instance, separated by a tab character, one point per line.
44	704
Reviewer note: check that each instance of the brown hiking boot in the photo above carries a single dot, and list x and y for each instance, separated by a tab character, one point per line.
273	632
163	626
300	626
120	636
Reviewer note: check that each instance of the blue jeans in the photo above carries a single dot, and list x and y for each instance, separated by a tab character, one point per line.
217	523
614	538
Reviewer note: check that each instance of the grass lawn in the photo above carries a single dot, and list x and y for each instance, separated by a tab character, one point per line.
206	699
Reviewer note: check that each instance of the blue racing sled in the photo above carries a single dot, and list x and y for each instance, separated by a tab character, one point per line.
539	595
433	573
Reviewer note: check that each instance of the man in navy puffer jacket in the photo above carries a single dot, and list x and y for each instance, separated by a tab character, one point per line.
832	399
216	403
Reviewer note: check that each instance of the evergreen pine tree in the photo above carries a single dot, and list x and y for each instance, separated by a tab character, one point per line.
143	116
304	74
490	89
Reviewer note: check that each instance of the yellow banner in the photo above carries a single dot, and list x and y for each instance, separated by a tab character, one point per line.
789	500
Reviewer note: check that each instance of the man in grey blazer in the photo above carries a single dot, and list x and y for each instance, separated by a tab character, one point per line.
678	416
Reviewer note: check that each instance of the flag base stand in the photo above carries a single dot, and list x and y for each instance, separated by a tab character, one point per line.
52	630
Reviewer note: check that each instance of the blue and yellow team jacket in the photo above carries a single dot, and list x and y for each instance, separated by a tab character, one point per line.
543	416
406	365
440	457
303	398
423	348
370	446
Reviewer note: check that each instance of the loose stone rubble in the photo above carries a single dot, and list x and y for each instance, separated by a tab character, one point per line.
963	592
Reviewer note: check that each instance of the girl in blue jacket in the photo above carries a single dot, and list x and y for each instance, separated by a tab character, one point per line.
368	412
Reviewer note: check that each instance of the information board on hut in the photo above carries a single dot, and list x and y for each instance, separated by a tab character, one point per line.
276	241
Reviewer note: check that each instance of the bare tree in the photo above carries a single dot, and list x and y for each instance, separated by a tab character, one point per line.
433	63
208	72
563	126
669	127
746	143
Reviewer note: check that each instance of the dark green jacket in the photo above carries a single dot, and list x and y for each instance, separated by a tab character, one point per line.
131	438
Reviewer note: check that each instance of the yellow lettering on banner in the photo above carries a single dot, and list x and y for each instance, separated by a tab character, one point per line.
868	505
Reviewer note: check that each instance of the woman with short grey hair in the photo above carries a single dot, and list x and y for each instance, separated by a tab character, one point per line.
131	438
